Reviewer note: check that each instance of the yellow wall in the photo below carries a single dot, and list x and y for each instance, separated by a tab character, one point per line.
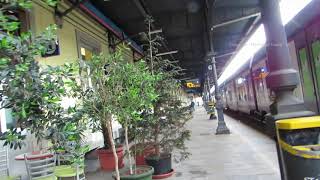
127	52
41	16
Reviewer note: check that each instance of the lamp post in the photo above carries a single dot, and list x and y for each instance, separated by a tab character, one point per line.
208	82
211	104
222	126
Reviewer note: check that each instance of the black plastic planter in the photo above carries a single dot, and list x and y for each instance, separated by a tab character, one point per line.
161	165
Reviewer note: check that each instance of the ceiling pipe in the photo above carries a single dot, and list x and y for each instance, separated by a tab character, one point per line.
143	10
167	53
251	29
235	20
226	54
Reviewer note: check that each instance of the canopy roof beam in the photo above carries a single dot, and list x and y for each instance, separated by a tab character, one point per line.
234	20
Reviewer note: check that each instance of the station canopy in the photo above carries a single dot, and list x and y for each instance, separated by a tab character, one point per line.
186	25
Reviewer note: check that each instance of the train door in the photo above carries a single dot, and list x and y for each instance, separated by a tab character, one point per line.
235	101
292	49
309	94
307	82
313	38
315	46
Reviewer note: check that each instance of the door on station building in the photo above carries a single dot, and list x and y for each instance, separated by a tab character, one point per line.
309	93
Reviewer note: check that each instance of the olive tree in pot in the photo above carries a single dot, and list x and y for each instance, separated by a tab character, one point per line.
96	102
166	127
169	133
122	90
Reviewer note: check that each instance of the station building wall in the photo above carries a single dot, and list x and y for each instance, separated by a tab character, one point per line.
79	37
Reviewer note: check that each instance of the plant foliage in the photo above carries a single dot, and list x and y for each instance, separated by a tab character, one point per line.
165	125
34	93
120	89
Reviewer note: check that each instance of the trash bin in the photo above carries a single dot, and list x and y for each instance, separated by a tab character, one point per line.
299	144
211	110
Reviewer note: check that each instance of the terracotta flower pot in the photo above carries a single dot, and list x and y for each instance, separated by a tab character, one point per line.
106	158
142	154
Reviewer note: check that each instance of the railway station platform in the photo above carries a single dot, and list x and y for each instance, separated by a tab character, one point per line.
245	154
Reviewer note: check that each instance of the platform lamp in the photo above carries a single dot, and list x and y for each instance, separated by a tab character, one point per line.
211	103
222	126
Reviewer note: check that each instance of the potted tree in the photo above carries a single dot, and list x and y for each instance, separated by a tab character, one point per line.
22	85
168	134
166	129
96	101
35	93
141	147
120	89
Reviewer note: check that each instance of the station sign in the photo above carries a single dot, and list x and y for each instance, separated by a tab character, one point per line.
192	85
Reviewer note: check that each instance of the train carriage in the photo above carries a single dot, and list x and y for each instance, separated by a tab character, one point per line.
247	91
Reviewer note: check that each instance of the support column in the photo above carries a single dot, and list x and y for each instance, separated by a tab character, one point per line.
208	79
222	126
283	78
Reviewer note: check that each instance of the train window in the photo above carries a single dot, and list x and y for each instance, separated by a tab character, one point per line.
316	50
306	76
230	95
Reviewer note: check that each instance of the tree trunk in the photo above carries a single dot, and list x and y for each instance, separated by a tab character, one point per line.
156	141
128	149
113	148
105	133
157	129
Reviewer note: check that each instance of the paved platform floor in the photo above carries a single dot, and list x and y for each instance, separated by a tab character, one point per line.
246	154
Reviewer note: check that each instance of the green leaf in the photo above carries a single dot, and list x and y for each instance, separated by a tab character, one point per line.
11	26
52	3
25	4
4	43
23	111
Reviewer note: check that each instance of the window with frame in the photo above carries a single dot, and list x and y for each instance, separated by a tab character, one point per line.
21	16
87	47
